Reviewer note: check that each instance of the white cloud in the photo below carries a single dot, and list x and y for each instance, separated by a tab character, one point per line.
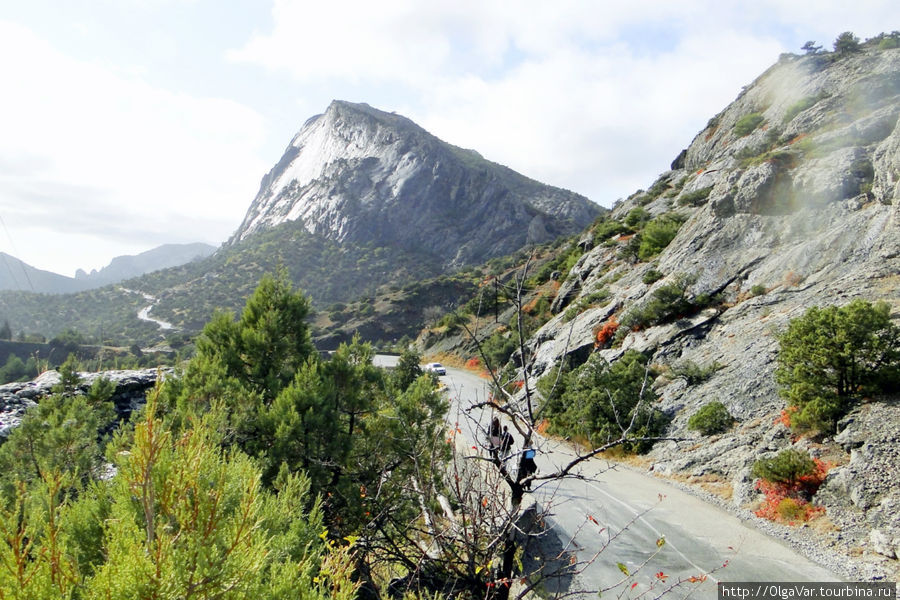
144	162
597	97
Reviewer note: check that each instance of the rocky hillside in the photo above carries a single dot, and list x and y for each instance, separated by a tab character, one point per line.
789	198
359	175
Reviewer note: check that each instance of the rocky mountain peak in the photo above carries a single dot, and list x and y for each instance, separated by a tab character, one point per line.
355	174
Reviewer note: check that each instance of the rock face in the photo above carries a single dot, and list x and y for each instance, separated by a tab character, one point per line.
130	394
356	174
804	210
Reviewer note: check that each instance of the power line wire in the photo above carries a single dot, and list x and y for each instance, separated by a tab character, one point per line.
21	264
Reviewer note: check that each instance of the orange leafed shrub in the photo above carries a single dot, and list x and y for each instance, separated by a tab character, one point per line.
785	417
788	503
473	363
606	332
529	308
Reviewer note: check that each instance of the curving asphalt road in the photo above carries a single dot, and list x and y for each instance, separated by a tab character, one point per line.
586	514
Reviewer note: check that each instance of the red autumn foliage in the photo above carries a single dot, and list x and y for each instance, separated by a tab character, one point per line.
785	417
789	502
606	333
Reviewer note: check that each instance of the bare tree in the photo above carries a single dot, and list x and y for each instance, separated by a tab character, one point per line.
475	534
504	520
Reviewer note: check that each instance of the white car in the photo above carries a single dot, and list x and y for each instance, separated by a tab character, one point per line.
436	368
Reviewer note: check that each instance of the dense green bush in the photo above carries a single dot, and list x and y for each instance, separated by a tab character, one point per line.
846	43
652	276
888	43
747	124
594	402
710	419
607	229
16	369
452	321
636	217
499	347
832	357
695	198
657	234
786	467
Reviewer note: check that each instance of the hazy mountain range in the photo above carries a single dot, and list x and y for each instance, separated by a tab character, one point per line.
18	275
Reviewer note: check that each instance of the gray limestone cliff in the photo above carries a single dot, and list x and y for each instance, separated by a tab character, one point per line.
802	210
360	175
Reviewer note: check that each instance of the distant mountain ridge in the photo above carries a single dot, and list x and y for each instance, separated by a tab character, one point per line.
161	257
20	276
356	174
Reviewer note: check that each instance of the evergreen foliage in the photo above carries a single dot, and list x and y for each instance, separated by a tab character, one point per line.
786	467
830	358
747	124
667	302
17	370
408	369
846	43
711	418
657	234
598	401
239	480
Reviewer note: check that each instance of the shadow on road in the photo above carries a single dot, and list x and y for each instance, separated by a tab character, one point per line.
546	558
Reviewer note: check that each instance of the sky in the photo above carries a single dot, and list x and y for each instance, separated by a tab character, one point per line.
127	124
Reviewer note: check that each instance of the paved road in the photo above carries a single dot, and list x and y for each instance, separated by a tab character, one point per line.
700	537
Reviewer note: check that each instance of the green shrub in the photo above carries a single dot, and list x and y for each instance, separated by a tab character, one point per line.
658	233
846	43
596	298
636	217
676	189
695	198
786	467
758	290
499	347
595	401
747	124
629	250
658	188
607	229
652	276
712	418
888	43
666	301
799	106
831	357
693	373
